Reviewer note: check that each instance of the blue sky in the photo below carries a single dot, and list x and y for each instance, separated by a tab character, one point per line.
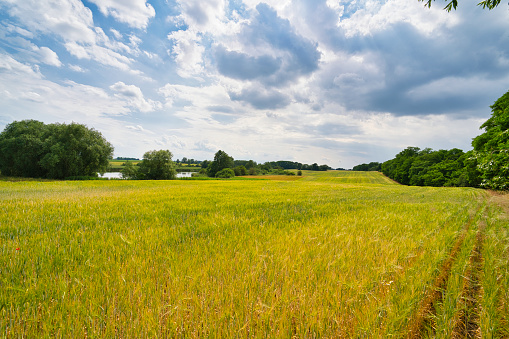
331	82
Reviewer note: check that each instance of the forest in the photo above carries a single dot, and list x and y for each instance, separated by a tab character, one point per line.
486	166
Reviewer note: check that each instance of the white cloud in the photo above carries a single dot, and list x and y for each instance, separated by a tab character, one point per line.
203	15
100	54
172	141
77	68
69	19
134	97
374	16
8	65
135	13
116	33
188	53
139	128
73	22
47	56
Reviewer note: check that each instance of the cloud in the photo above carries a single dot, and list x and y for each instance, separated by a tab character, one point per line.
10	66
134	97
69	19
203	15
172	141
47	56
262	98
138	128
220	109
77	68
100	54
135	13
297	55
187	52
241	66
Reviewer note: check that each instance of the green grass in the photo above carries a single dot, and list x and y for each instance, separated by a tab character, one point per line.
334	254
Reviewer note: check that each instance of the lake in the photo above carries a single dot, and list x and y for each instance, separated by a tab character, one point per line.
118	175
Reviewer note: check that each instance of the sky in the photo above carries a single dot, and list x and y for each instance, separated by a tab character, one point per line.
314	81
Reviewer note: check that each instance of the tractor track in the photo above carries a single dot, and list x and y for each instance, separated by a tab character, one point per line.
468	316
423	317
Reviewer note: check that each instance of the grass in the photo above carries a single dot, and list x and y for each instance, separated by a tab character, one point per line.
333	254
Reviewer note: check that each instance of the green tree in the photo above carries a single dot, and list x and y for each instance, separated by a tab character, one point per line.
205	164
157	165
240	171
221	161
489	4
225	173
129	171
74	150
491	148
32	149
21	145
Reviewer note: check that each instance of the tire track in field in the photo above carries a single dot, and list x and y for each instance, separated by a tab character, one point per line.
467	323
422	319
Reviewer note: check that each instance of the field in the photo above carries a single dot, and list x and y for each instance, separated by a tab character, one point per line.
332	254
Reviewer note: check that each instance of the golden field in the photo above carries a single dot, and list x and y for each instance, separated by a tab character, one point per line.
332	254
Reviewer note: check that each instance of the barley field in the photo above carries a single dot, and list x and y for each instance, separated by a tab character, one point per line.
328	255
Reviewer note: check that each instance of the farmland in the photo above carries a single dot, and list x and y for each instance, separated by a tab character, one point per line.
333	254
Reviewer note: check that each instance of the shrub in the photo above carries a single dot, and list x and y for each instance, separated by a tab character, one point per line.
225	173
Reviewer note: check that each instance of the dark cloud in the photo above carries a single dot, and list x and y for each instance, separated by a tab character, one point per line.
298	55
241	66
453	70
261	98
409	63
269	27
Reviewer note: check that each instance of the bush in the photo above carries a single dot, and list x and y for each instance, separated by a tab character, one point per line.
225	173
240	171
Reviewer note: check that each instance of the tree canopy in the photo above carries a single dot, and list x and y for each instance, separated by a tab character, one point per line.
29	148
220	162
491	148
157	165
453	4
426	167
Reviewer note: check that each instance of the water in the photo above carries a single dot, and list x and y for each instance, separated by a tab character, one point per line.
111	175
118	175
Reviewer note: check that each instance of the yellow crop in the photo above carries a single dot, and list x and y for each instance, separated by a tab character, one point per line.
333	254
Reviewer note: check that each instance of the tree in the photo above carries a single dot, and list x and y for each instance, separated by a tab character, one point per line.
21	149
74	150
240	171
491	149
372	166
221	161
205	164
129	171
489	4
225	173
157	165
30	148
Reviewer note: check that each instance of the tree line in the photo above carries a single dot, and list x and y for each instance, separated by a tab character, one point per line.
32	149
486	165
